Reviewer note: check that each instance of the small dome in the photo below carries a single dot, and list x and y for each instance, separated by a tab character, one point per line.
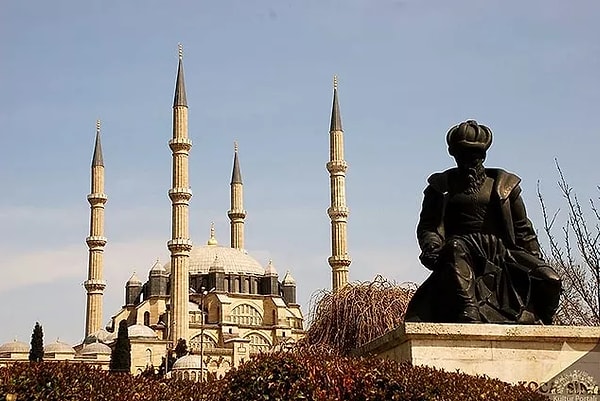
139	330
134	280
96	349
288	279
157	268
14	346
58	348
217	266
270	270
188	362
101	335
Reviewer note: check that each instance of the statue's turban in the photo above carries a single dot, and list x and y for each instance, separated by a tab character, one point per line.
469	136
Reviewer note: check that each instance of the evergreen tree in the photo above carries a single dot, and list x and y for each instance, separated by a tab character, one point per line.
36	353
181	348
120	358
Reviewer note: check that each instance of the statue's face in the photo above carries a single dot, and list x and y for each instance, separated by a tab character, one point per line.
468	161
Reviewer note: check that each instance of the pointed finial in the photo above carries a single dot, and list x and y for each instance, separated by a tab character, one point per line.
212	240
97	159
336	119
180	50
235	146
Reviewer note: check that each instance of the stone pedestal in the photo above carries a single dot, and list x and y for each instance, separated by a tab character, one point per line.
535	355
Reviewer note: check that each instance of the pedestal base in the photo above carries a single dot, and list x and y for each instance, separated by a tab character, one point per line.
550	356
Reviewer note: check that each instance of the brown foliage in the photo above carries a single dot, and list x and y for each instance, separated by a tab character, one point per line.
357	314
297	375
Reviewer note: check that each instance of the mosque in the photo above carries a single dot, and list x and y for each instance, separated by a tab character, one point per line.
222	301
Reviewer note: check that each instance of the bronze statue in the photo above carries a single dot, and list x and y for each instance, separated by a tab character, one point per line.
482	249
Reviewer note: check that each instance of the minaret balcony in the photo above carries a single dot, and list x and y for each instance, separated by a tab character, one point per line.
180	144
339	261
94	286
337	166
95	242
338	213
180	195
97	198
236	214
179	246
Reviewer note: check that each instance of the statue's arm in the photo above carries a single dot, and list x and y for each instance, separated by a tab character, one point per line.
428	230
525	236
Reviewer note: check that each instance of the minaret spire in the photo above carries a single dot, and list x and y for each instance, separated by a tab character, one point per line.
180	96
237	214
96	241
180	194
338	211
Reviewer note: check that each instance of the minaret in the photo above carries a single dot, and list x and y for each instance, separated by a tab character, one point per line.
237	214
338	212
180	194
95	285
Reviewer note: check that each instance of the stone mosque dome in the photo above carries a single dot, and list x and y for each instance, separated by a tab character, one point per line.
14	347
101	335
96	349
58	347
139	330
233	260
187	362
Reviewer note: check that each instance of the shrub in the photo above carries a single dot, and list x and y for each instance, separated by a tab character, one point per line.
357	313
297	375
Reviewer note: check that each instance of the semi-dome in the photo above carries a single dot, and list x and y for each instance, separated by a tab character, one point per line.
96	349
188	362
58	347
101	335
139	330
14	347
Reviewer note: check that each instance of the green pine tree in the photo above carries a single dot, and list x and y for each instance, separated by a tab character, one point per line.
120	358
36	352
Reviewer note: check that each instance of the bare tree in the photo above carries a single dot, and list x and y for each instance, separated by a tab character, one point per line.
575	256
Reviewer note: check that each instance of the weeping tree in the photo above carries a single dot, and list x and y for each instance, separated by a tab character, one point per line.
36	352
120	358
356	314
575	254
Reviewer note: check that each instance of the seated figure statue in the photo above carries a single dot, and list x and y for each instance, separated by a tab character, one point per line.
475	236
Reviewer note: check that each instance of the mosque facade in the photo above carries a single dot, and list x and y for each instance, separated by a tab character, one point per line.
218	298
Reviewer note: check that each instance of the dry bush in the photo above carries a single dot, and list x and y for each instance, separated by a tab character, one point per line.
575	256
356	314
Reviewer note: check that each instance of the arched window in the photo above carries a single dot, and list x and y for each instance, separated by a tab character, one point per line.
146	318
258	342
209	343
148	356
245	314
226	284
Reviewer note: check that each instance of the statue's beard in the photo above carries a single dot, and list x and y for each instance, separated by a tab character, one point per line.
473	177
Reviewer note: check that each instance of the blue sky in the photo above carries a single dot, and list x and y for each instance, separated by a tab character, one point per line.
260	72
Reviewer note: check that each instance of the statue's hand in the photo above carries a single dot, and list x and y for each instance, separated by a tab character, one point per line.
429	259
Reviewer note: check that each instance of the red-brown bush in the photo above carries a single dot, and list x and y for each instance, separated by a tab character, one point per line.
299	375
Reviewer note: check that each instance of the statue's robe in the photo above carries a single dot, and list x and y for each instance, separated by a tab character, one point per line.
512	282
